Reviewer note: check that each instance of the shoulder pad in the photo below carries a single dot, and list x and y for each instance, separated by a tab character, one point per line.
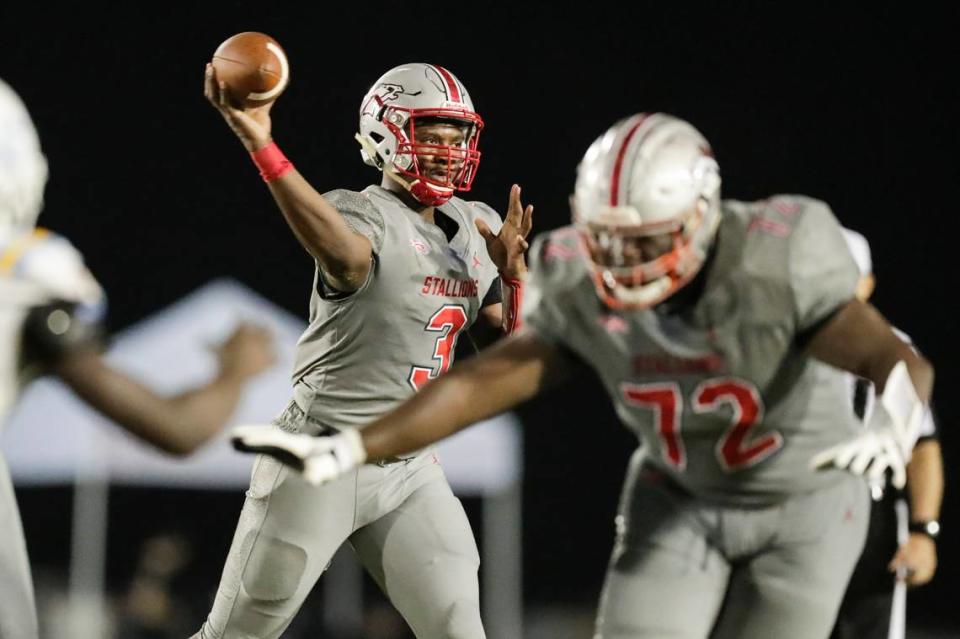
484	211
52	264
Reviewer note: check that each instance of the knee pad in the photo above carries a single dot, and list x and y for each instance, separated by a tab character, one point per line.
274	569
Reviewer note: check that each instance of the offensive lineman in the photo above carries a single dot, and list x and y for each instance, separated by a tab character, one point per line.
702	319
49	309
401	270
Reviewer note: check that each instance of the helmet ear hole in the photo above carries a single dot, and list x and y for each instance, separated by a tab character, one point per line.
378	138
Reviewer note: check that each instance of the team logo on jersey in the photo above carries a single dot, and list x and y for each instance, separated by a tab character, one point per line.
613	324
784	207
419	246
768	226
662	364
477	262
449	287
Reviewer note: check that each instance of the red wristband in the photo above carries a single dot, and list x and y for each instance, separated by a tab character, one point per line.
511	303
271	161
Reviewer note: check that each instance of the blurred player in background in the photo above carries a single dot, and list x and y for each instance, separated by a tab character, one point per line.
401	270
50	307
702	319
870	608
154	607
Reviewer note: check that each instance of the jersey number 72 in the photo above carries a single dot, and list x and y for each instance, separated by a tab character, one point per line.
734	450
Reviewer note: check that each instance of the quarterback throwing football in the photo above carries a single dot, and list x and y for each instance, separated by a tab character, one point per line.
403	268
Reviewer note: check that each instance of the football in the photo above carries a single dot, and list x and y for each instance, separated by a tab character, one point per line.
253	66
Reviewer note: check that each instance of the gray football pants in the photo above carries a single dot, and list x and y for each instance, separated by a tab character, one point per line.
683	569
18	613
402	520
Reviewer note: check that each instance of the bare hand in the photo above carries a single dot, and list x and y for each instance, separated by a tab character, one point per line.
247	352
250	124
917	559
506	248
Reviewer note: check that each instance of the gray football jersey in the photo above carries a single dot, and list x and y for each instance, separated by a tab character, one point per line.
722	397
366	351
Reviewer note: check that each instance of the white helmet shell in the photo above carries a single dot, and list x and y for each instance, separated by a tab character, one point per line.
23	168
648	175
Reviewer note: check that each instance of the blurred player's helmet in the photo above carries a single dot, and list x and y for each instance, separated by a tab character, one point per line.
647	199
23	169
393	106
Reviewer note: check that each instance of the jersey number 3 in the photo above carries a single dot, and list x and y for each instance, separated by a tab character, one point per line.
735	449
448	321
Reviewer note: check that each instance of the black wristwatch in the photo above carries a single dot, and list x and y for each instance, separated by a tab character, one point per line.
929	528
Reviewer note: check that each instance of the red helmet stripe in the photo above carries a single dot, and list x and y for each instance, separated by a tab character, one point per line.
618	164
452	87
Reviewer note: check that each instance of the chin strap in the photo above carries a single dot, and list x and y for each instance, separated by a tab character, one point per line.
420	190
429	195
511	290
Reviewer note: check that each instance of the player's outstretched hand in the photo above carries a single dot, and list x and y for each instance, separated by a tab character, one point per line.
319	459
916	560
871	453
247	352
251	124
507	247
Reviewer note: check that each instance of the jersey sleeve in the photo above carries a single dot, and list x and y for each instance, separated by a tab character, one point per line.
360	215
542	310
928	427
823	275
52	266
70	307
494	294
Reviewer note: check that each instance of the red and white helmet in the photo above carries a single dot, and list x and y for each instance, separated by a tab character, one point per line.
389	113
647	198
23	168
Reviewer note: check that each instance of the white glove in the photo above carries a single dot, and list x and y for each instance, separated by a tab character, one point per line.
870	453
887	440
333	456
320	459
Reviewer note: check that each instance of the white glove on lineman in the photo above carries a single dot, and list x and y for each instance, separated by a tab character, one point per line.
870	453
887	440
320	459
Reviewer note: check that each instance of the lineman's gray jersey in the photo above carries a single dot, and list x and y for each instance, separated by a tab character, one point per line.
40	270
724	399
367	351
